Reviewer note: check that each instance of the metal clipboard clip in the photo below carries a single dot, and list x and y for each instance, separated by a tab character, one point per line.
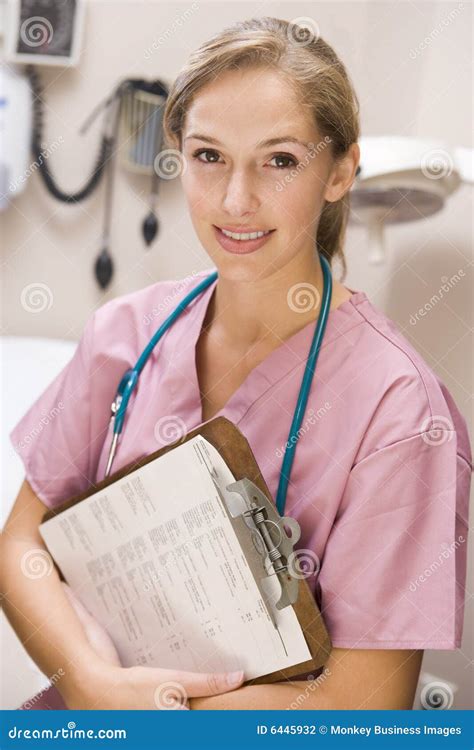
268	548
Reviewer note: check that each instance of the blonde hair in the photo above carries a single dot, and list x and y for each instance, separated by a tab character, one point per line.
317	76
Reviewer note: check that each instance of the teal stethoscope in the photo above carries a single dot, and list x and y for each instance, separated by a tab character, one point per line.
130	379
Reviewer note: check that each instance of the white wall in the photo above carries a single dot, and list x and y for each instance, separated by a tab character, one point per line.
54	244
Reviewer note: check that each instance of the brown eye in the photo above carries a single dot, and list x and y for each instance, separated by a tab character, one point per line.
214	156
283	160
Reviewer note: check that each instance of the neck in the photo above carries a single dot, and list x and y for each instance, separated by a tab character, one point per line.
246	313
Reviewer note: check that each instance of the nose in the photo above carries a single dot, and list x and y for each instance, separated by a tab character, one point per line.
240	194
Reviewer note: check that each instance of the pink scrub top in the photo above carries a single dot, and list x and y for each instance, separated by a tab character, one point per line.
381	476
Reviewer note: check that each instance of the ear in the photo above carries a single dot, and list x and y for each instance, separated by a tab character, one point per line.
343	174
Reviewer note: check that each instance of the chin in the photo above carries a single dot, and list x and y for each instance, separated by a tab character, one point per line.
233	269
239	271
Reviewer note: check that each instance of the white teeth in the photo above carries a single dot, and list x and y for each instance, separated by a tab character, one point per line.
244	236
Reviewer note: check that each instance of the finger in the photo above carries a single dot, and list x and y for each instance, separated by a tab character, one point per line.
170	695
197	684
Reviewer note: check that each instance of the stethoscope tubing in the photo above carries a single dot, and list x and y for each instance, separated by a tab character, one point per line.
130	379
305	388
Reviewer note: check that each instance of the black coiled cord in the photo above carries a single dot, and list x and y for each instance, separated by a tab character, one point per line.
105	150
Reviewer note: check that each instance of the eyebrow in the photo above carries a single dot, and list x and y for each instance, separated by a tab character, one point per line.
261	144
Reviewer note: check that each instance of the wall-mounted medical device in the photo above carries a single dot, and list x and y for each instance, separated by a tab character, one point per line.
404	179
43	32
48	32
16	113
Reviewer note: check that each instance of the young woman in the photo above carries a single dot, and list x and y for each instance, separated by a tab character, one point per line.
263	125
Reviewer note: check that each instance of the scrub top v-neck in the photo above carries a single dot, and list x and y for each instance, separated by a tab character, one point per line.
289	354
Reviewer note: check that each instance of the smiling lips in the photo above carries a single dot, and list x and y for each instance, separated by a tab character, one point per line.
242	241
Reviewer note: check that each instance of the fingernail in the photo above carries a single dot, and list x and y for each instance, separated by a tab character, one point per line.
234	678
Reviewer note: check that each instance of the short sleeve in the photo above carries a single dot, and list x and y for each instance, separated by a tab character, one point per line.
53	438
394	567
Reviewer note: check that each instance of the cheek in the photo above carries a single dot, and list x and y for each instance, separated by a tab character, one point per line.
297	201
201	190
293	209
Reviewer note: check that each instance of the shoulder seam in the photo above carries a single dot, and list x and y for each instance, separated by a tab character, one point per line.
403	440
407	355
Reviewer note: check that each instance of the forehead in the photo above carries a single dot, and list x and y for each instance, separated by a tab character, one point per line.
248	106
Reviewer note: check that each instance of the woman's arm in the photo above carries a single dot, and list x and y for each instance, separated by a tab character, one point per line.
53	631
37	605
352	679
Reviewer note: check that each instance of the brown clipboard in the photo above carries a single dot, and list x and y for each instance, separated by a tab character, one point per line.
237	453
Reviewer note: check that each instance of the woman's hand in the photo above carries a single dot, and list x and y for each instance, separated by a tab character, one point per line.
112	686
137	688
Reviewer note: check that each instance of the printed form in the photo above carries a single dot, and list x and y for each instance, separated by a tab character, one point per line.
155	559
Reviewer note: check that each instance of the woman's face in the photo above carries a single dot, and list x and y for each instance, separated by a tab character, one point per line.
234	179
